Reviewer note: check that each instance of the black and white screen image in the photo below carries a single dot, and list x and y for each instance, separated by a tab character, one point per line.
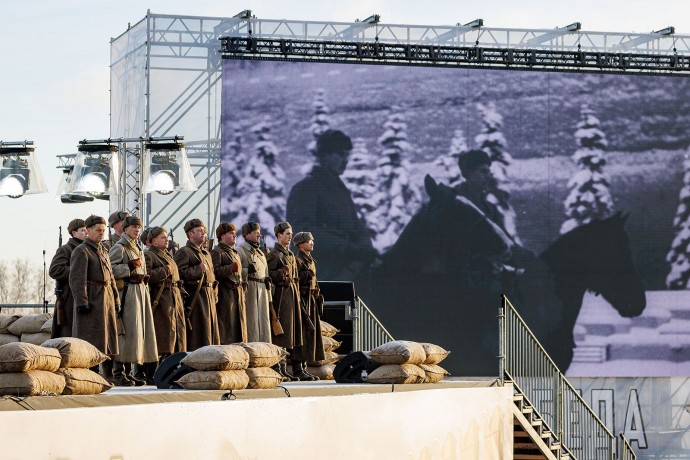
573	200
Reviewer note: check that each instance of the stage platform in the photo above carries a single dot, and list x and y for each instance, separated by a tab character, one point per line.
455	418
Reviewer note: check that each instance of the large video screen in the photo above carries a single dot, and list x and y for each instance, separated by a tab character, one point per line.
573	200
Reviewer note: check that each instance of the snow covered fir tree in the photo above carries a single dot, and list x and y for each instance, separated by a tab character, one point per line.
359	177
320	122
679	254
261	190
232	163
395	200
449	171
492	141
589	197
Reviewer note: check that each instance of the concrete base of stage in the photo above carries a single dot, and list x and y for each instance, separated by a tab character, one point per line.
321	420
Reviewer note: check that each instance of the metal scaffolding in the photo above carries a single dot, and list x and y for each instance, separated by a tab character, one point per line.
166	73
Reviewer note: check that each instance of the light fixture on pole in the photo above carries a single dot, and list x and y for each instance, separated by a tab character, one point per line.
95	170
19	172
166	167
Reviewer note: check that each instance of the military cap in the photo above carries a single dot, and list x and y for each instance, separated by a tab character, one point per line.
301	237
75	224
472	160
222	229
332	140
132	220
281	227
192	224
93	220
250	227
116	217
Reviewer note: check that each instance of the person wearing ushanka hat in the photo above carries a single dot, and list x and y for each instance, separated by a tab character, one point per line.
196	271
63	313
138	343
255	274
115	222
311	298
96	299
231	307
321	202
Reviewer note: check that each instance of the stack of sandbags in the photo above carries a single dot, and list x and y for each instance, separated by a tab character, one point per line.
77	356
218	367
28	328
404	361
324	369
29	370
262	356
5	335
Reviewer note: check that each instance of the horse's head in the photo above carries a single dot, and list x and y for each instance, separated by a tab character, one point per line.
598	255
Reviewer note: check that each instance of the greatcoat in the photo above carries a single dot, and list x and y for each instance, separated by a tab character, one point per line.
168	313
312	350
283	272
231	307
92	283
59	271
203	319
138	343
258	295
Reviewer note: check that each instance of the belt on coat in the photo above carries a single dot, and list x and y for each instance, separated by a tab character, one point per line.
171	283
136	278
257	280
99	283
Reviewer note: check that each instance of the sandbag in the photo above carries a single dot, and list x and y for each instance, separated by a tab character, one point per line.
262	354
47	326
21	357
433	373
29	324
331	357
397	373
31	383
215	380
37	338
434	353
8	338
83	382
330	344
263	377
399	352
76	353
324	372
217	358
5	321
328	330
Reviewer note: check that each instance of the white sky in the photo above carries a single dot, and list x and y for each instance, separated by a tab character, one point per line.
54	71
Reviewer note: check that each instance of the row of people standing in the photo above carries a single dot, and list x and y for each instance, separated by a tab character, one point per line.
140	305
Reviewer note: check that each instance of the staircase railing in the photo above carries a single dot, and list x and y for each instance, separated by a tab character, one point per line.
367	331
526	364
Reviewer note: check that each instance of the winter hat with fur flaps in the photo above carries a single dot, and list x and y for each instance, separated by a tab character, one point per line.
281	227
132	220
192	224
116	217
75	224
301	237
250	227
93	220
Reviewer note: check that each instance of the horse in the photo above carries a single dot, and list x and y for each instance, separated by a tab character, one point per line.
443	278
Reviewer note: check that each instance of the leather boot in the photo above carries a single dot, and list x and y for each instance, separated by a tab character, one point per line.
134	373
312	377
119	377
298	372
149	372
283	370
107	370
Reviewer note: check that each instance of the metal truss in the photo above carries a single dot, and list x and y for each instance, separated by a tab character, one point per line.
444	55
166	74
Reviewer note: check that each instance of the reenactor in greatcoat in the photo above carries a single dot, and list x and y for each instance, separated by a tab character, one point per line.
282	268
59	271
310	296
96	300
166	295
138	343
255	274
115	221
196	271
231	307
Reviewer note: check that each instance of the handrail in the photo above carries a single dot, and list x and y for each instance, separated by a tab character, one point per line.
367	331
564	412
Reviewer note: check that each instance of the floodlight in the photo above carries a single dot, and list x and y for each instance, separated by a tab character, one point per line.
19	173
94	172
670	30
166	167
475	23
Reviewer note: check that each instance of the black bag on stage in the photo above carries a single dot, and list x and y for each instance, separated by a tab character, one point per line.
170	370
354	368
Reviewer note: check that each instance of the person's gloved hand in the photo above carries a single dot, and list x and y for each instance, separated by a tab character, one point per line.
235	267
134	264
84	309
